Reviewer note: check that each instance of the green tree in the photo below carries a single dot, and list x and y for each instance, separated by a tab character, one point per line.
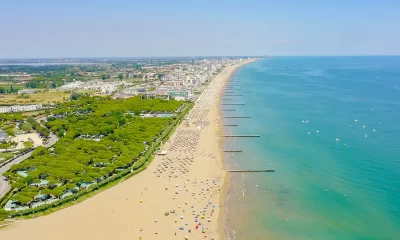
120	146
26	127
104	76
122	121
75	96
31	84
10	132
2	90
28	144
39	151
3	214
69	186
22	198
60	133
120	76
58	191
17	185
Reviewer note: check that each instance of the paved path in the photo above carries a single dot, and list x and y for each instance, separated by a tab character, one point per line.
4	186
52	140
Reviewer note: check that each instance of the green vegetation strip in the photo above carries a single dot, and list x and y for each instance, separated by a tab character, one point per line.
138	166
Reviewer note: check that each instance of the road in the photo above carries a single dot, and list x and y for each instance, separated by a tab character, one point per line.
4	186
52	140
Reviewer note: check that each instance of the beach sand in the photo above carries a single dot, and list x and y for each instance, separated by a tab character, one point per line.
187	183
20	139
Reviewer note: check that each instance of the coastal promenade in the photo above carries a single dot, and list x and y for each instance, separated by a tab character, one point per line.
179	195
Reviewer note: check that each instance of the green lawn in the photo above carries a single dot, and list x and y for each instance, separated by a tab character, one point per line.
5	155
51	96
7	86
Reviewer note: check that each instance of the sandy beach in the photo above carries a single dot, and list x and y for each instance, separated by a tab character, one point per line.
180	195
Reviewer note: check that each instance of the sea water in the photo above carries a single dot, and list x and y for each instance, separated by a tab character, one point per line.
330	127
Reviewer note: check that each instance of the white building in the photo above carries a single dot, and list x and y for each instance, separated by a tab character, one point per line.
27	91
20	108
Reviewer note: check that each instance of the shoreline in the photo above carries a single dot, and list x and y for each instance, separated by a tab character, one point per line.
227	184
164	200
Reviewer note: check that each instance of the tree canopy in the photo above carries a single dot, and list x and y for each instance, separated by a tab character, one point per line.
98	137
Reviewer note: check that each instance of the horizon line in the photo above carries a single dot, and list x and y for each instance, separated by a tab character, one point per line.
206	56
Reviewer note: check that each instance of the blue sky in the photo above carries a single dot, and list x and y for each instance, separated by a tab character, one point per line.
129	28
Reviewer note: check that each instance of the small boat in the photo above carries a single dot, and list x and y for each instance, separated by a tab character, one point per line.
350	126
374	130
345	145
356	120
309	133
317	131
363	126
366	135
337	139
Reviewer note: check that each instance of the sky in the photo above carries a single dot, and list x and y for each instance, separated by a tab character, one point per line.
150	28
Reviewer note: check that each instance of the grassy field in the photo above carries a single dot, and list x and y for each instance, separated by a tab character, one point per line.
41	97
5	155
51	96
7	86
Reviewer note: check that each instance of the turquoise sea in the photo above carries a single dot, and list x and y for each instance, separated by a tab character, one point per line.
342	182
